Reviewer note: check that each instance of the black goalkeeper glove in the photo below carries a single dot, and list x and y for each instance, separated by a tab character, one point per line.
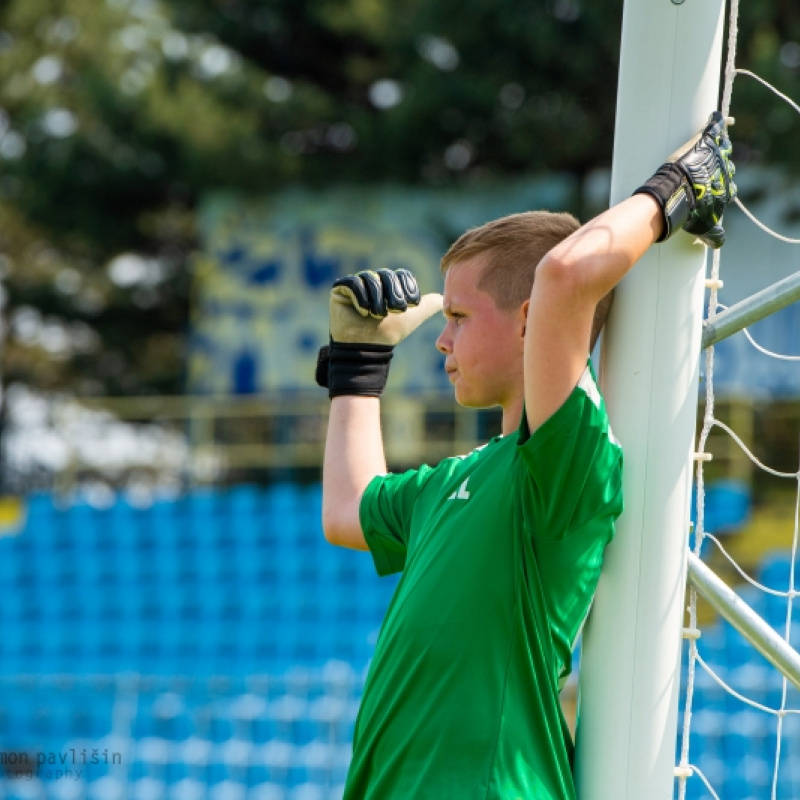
370	312
695	184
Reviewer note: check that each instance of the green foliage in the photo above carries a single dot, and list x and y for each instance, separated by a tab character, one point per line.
118	116
769	46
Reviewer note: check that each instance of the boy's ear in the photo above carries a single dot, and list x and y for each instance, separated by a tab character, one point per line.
524	314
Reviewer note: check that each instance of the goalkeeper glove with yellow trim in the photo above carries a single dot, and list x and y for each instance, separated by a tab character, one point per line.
695	184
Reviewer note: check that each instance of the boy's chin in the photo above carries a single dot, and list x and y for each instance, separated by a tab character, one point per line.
465	400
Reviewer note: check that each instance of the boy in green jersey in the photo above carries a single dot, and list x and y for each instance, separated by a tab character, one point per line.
500	550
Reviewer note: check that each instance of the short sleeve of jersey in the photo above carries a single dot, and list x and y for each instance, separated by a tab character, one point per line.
573	497
385	513
575	463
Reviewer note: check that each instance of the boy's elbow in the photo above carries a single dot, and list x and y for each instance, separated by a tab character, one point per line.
337	528
333	536
342	527
563	276
330	527
557	269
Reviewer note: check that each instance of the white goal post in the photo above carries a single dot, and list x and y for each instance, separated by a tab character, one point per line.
670	64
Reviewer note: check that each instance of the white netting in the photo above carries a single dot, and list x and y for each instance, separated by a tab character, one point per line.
778	712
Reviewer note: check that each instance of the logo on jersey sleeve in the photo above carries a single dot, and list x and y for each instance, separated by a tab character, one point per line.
461	493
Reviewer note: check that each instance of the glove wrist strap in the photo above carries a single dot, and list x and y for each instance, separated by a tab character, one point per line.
354	369
671	189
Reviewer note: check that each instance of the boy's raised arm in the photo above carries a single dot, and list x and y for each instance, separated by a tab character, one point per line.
689	192
353	457
370	313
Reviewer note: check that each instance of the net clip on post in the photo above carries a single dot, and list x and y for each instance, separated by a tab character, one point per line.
691	633
683	771
714	283
703	456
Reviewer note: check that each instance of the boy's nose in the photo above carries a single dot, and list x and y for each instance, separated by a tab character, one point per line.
443	342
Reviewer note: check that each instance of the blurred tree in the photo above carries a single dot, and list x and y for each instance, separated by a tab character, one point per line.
117	116
423	91
769	45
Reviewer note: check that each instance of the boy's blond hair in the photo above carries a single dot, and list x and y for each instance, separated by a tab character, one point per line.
514	246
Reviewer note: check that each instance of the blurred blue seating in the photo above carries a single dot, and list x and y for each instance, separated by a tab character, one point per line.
240	584
775	571
179	560
727	506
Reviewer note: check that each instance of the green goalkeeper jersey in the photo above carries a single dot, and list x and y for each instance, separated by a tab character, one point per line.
500	552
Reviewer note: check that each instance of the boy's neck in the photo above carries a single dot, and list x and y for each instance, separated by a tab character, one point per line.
512	414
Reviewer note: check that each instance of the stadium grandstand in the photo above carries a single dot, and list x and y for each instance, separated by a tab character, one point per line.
215	645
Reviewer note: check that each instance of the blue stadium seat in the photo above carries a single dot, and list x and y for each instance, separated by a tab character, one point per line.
283	516
752	679
251	719
154	753
267	791
148	789
24	789
727	506
227	790
775	571
246	500
17	605
171	719
714	770
200	518
40	509
738	650
254	567
311	504
708	694
752	773
167	525
707	733
237	755
83	526
106	788
333	716
747	734
308	791
789	772
187	789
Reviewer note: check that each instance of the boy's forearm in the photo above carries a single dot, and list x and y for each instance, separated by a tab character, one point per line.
688	192
353	457
570	281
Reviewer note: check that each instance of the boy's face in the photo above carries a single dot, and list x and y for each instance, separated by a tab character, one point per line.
483	345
